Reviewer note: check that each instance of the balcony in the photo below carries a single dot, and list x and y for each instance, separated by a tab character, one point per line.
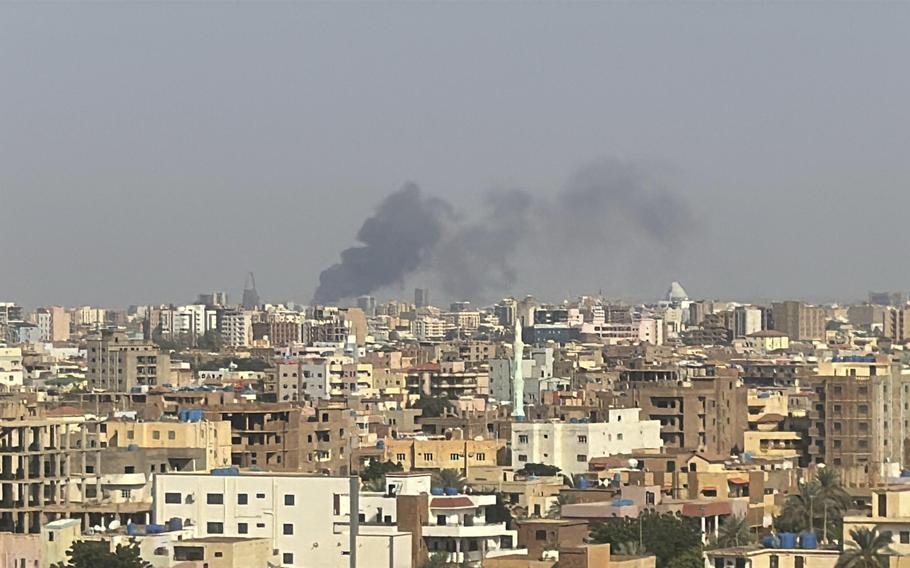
461	531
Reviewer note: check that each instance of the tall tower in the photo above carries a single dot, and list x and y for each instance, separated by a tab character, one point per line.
250	294
518	379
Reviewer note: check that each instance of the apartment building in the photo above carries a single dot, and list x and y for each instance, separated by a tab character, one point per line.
48	469
701	408
416	454
450	379
570	446
800	321
306	518
212	437
53	324
12	373
861	420
537	366
118	363
236	328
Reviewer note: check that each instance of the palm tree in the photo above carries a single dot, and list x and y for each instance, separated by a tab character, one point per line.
449	478
563	498
734	531
831	489
630	548
801	509
869	549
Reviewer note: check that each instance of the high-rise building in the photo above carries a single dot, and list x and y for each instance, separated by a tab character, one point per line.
53	323
746	321
367	304
236	328
800	321
421	297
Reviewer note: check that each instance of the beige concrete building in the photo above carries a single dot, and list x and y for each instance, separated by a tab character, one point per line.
226	552
798	320
118	363
442	454
213	436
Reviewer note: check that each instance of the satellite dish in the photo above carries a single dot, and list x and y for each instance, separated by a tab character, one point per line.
114	525
633	463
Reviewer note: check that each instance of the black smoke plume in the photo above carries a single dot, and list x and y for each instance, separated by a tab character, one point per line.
606	202
397	240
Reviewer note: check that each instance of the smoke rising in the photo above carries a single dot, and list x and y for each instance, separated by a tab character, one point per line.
397	240
603	206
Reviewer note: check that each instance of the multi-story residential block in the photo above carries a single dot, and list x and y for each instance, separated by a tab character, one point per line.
12	373
53	324
118	363
800	321
450	379
306	518
700	408
236	328
571	446
440	453
214	438
537	366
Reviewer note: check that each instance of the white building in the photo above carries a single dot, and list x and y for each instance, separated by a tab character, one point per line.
12	372
569	446
746	321
428	328
236	328
306	517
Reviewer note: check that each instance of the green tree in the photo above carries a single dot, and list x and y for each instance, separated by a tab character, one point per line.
539	469
449	478
831	489
97	554
210	341
432	406
691	558
818	506
563	498
868	549
630	548
666	535
734	531
377	470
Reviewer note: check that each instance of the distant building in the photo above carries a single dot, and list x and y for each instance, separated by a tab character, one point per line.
12	372
118	363
53	324
421	297
236	328
800	321
570	446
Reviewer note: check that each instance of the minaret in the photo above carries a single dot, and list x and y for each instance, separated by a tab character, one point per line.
518	379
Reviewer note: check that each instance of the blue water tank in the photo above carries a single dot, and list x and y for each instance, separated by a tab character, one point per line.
623	502
583	483
451	491
808	541
175	524
787	540
437	491
226	471
770	541
154	529
905	473
132	529
380	445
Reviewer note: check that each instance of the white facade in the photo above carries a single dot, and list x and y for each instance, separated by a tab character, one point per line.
569	446
746	321
306	517
237	328
428	328
12	372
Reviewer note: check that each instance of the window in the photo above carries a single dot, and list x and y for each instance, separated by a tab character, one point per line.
242	499
214	528
455	457
50	536
522	458
260	496
799	562
775	561
522	438
171	435
172	498
288	529
540	535
289	500
428	456
905	537
619	437
242	528
441	520
287	558
582	439
156	434
400	457
214	499
125	493
260	525
581	458
481	456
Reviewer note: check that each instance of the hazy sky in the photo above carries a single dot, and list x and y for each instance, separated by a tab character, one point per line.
149	152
